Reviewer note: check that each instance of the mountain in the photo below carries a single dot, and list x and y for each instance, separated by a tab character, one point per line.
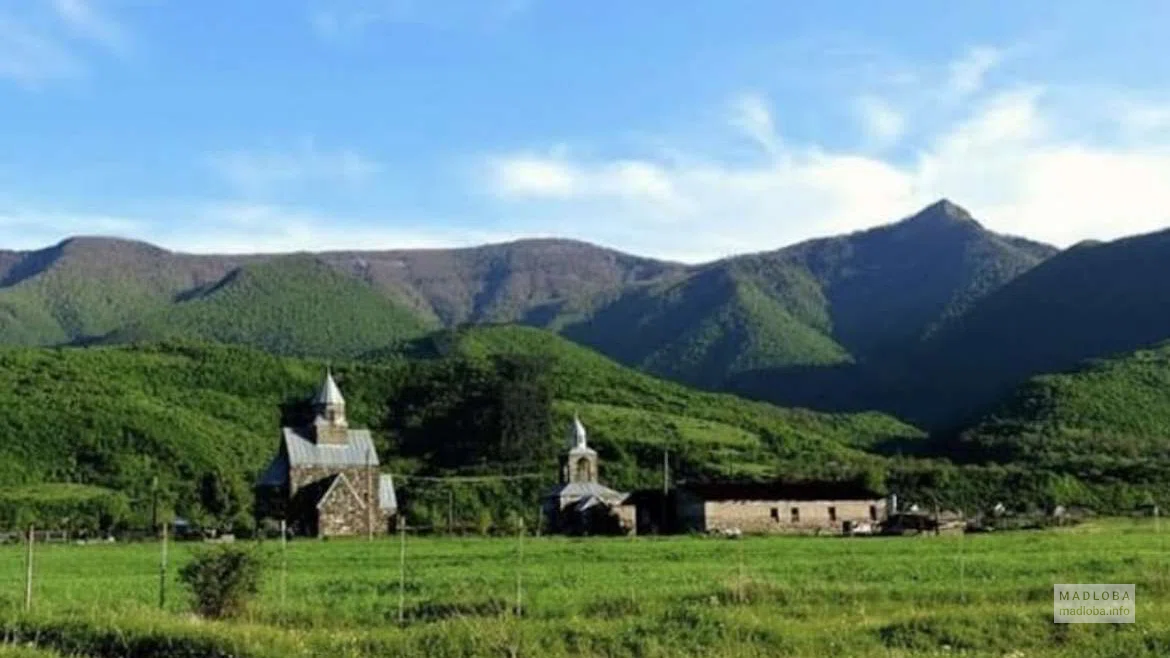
296	305
530	281
805	324
1093	300
86	287
830	323
204	418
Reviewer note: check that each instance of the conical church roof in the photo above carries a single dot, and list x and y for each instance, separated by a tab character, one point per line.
329	394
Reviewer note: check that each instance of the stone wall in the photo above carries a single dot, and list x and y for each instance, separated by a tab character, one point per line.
778	516
342	514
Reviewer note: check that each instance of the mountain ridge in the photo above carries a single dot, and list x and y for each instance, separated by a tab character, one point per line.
845	307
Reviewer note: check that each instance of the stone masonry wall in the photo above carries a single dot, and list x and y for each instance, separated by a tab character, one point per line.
778	516
341	514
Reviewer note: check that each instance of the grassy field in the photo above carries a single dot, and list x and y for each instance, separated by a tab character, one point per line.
966	595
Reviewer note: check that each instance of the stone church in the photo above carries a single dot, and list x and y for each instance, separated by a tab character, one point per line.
581	504
325	479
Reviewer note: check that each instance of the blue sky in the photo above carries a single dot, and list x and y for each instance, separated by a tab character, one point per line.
684	130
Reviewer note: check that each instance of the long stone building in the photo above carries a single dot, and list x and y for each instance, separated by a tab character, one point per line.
796	507
325	479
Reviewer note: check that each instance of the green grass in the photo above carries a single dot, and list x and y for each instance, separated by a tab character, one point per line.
981	595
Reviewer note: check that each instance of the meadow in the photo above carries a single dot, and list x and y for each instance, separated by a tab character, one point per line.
978	595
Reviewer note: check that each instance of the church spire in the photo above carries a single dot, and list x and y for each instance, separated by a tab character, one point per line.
577	436
329	403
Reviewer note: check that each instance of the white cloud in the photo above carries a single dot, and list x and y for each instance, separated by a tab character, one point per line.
234	227
28	228
882	124
752	117
45	45
967	74
1009	160
84	19
260	172
335	20
29	57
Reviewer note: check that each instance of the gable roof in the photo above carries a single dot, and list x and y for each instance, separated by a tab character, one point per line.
358	449
587	489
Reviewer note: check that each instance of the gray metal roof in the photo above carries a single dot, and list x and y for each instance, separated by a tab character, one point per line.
328	393
586	489
358	450
387	500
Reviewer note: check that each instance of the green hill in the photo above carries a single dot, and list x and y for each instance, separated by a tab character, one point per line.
295	305
204	418
1108	422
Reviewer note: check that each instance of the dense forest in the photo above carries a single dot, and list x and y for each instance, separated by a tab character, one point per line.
88	430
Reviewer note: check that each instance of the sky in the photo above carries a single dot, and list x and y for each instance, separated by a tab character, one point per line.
679	129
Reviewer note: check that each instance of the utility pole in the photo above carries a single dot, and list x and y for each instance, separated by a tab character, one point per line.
154	503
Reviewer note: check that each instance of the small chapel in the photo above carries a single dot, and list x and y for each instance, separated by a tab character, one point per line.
580	504
325	479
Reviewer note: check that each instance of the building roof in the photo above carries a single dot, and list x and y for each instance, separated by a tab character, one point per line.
810	490
587	489
299	450
358	449
329	393
387	500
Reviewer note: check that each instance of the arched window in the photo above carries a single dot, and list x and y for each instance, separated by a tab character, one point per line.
583	472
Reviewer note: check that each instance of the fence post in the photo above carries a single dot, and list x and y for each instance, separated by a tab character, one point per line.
162	571
401	570
520	570
28	574
283	562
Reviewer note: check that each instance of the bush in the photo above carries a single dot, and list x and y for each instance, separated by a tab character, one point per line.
223	579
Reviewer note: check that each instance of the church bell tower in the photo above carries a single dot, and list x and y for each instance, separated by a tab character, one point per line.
330	425
580	463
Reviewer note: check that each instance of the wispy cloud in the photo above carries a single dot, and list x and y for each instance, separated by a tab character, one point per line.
236	227
339	19
882	124
30	57
1008	156
84	19
260	172
967	74
47	41
752	117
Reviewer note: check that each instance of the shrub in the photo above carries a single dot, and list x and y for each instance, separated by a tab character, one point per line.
223	579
